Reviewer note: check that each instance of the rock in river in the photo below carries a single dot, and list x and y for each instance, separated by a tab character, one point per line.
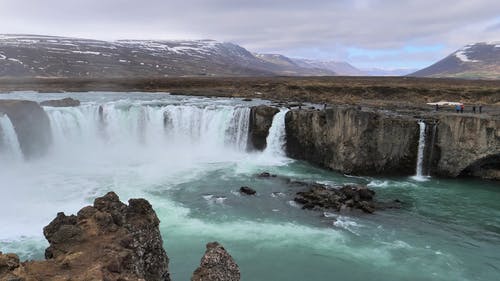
247	190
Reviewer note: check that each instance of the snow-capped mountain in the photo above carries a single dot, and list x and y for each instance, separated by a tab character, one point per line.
49	56
480	60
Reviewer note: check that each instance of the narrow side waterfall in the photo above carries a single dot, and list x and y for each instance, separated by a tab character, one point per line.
276	139
10	149
421	151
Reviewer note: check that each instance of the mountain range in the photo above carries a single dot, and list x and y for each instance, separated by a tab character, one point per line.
51	56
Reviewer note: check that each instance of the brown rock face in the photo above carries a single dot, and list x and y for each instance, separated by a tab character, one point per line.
353	141
66	102
31	123
216	265
468	145
107	241
261	119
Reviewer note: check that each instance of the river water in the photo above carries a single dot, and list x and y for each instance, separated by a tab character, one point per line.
188	157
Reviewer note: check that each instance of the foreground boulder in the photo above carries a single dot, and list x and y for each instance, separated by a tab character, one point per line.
261	119
66	102
32	126
107	241
320	197
216	265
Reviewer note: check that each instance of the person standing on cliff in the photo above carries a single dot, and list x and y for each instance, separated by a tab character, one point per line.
474	109
462	108
457	108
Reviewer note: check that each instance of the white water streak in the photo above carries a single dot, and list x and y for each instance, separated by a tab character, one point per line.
421	149
10	149
276	139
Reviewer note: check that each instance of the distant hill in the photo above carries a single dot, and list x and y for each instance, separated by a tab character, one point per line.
49	56
339	67
294	64
387	72
474	61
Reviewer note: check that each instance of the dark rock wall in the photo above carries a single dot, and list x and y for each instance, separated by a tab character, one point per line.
261	119
32	126
468	145
353	141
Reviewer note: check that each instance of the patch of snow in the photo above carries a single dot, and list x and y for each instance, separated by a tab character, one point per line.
461	55
2	57
123	60
86	52
15	60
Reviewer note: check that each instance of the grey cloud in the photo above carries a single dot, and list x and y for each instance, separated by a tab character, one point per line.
263	25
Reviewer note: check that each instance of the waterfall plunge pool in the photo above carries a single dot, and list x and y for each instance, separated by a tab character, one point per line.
190	169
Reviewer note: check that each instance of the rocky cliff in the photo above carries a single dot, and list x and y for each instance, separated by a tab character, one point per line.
468	145
111	241
353	141
31	124
261	119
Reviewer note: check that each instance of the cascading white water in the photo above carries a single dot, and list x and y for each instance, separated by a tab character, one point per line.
126	124
277	135
10	149
421	150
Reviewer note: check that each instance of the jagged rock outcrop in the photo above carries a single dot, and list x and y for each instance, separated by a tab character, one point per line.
32	125
261	119
107	241
66	102
343	198
353	141
216	265
468	145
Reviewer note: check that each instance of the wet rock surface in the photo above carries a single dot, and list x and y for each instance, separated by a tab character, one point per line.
216	264
66	102
107	241
247	190
348	197
261	119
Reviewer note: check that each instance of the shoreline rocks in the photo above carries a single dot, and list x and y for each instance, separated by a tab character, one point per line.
110	241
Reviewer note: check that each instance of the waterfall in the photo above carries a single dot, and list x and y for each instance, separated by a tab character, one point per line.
128	124
9	145
421	151
276	139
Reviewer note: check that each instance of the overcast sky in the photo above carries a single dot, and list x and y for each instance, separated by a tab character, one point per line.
366	33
